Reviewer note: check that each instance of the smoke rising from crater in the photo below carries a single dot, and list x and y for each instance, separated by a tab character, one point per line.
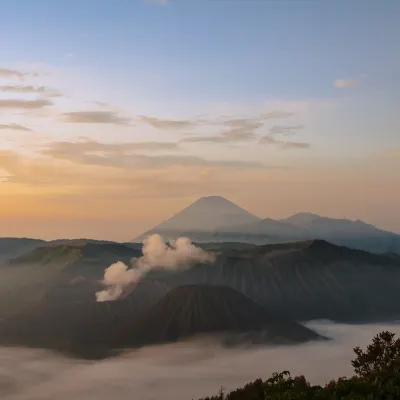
157	254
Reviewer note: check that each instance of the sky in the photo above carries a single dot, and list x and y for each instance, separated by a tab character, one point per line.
114	115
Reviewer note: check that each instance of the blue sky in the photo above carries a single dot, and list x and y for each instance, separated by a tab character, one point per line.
332	67
211	49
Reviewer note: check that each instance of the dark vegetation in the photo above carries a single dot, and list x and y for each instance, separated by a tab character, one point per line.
377	377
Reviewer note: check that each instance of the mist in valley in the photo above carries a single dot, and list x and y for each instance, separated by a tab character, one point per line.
181	371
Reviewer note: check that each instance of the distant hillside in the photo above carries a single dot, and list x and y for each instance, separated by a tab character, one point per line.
204	215
306	280
83	258
14	247
58	273
95	329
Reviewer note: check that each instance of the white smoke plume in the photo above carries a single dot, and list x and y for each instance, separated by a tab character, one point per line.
157	254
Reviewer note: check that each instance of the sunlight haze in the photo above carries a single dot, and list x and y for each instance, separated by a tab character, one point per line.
116	115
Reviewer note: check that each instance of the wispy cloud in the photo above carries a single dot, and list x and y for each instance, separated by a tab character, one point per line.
285	130
16	74
167	124
277	114
344	83
230	121
285	145
95	117
239	130
15	127
45	90
24	104
125	155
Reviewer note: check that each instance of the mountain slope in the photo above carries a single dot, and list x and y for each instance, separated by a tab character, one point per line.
204	215
14	247
199	309
333	226
85	329
82	258
307	226
96	329
59	273
306	280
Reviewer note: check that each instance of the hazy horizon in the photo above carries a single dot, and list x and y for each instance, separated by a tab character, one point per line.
97	235
110	125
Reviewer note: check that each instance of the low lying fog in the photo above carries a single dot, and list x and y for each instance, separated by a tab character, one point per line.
177	372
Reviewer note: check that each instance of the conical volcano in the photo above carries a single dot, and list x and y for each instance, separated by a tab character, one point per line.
204	215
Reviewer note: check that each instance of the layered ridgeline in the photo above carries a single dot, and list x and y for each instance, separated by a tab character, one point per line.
50	293
215	219
306	280
58	273
98	329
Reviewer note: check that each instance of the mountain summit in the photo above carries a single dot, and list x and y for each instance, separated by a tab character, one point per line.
204	215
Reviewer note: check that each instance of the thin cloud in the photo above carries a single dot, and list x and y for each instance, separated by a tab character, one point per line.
167	124
229	121
45	90
285	130
24	104
13	73
344	83
240	130
15	127
277	114
95	117
124	155
268	140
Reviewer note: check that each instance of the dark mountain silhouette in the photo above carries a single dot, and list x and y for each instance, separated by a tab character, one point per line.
200	309
204	215
306	280
96	329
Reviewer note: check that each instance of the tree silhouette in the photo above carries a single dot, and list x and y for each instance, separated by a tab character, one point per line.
377	377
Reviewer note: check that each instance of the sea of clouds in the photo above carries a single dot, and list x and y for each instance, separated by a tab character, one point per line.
182	371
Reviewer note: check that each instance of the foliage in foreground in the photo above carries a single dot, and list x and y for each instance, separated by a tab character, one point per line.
377	377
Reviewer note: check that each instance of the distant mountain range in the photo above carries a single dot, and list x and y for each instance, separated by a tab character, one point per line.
215	219
47	296
267	277
304	280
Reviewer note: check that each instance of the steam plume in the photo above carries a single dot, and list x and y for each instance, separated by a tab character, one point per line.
157	254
